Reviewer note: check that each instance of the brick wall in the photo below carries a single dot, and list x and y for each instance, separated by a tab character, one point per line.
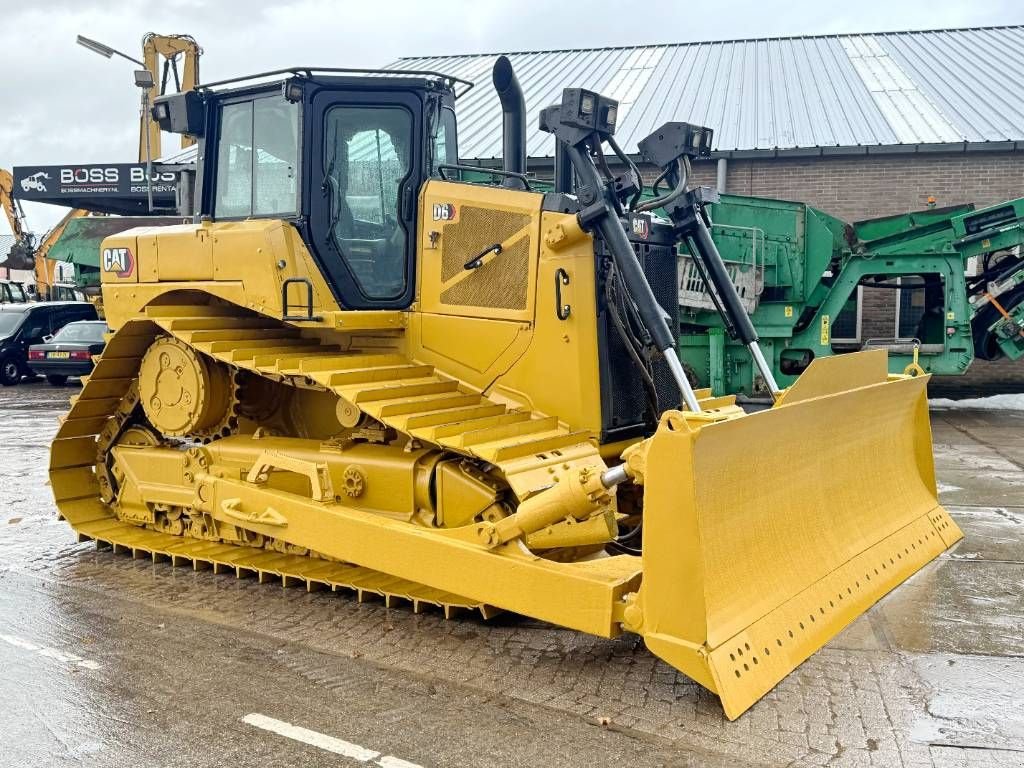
863	187
854	188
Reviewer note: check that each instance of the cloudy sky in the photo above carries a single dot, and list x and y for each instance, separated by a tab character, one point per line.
63	103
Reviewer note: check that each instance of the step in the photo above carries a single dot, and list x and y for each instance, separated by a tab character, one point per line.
274	342
238	334
275	361
535	445
349	361
211	323
452	415
245	355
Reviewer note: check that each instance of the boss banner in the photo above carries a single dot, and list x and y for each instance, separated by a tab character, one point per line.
120	188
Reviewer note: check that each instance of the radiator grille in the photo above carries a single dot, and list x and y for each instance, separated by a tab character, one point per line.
502	282
624	409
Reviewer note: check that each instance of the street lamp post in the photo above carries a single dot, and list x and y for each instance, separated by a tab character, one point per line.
144	80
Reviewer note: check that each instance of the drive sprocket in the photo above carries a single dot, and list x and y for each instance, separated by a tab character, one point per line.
185	394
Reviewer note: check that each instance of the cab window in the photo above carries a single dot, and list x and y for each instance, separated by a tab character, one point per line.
367	156
257	159
445	152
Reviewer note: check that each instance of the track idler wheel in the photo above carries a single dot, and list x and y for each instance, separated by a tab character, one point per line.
185	394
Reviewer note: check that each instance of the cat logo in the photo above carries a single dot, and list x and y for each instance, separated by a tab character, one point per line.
641	226
119	261
444	212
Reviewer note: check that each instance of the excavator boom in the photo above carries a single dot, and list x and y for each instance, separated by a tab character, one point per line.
20	254
168	50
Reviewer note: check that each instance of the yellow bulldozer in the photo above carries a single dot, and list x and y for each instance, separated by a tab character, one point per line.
357	371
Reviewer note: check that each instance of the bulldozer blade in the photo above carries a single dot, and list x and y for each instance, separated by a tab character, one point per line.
766	534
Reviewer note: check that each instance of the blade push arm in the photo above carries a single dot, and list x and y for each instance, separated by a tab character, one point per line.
582	122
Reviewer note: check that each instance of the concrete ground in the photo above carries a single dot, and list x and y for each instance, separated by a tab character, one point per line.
107	661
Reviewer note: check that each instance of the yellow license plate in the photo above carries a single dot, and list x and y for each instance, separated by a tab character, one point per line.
58	355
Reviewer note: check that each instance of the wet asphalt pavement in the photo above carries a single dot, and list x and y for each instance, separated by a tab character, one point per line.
109	661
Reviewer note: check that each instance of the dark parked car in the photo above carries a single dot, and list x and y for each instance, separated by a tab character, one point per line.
69	352
22	325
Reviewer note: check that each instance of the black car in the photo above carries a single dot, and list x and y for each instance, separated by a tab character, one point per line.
69	352
22	325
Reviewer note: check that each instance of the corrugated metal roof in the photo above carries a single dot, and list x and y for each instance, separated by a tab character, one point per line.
858	92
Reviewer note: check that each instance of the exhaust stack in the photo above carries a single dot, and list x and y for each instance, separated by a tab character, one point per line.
513	121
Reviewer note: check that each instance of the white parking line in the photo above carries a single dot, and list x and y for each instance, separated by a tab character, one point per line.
49	653
325	742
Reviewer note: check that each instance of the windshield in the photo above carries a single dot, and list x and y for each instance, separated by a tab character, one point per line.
9	322
87	332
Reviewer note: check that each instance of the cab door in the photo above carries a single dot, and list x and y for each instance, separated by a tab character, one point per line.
366	169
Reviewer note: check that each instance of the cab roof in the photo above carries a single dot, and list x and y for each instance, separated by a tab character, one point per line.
376	79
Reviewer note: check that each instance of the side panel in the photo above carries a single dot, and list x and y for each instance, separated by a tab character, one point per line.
243	262
474	323
462	221
558	374
499	326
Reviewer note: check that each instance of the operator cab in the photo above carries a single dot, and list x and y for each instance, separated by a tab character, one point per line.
342	155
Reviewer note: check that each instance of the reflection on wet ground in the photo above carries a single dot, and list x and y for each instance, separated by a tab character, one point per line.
107	660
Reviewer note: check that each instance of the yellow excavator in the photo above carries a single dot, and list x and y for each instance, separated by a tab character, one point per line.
47	283
20	255
355	371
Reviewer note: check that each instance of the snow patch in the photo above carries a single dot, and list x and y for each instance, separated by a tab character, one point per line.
991	403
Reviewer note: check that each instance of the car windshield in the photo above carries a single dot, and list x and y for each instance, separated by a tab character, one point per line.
9	322
88	332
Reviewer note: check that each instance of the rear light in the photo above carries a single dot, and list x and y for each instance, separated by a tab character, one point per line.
36	354
81	354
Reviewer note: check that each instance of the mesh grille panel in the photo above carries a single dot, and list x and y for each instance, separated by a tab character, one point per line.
502	282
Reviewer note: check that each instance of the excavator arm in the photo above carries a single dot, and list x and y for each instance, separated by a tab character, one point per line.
45	277
20	253
15	216
170	48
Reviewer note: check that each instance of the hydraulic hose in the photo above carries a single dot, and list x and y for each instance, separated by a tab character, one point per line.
654	318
